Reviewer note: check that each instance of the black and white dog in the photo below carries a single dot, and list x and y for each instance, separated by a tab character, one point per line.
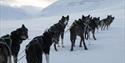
59	28
14	40
106	22
39	45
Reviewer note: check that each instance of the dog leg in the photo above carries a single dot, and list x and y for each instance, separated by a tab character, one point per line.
8	59
62	36
55	47
47	58
12	59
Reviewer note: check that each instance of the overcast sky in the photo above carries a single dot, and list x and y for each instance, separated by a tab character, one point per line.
37	3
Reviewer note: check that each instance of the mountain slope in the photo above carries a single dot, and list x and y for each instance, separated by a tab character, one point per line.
31	10
8	12
62	7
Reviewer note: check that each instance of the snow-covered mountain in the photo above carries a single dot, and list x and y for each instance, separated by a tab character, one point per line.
62	7
7	12
32	11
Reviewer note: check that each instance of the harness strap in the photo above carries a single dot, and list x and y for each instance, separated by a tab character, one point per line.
7	39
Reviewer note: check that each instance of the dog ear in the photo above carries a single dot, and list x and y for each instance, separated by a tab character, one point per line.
80	19
113	17
83	16
23	26
88	15
98	18
67	15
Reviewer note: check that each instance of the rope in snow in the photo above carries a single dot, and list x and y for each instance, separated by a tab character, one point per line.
21	58
22	52
67	30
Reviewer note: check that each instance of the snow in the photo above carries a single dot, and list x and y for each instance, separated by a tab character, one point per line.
108	48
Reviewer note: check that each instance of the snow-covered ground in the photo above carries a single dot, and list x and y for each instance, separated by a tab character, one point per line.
108	48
